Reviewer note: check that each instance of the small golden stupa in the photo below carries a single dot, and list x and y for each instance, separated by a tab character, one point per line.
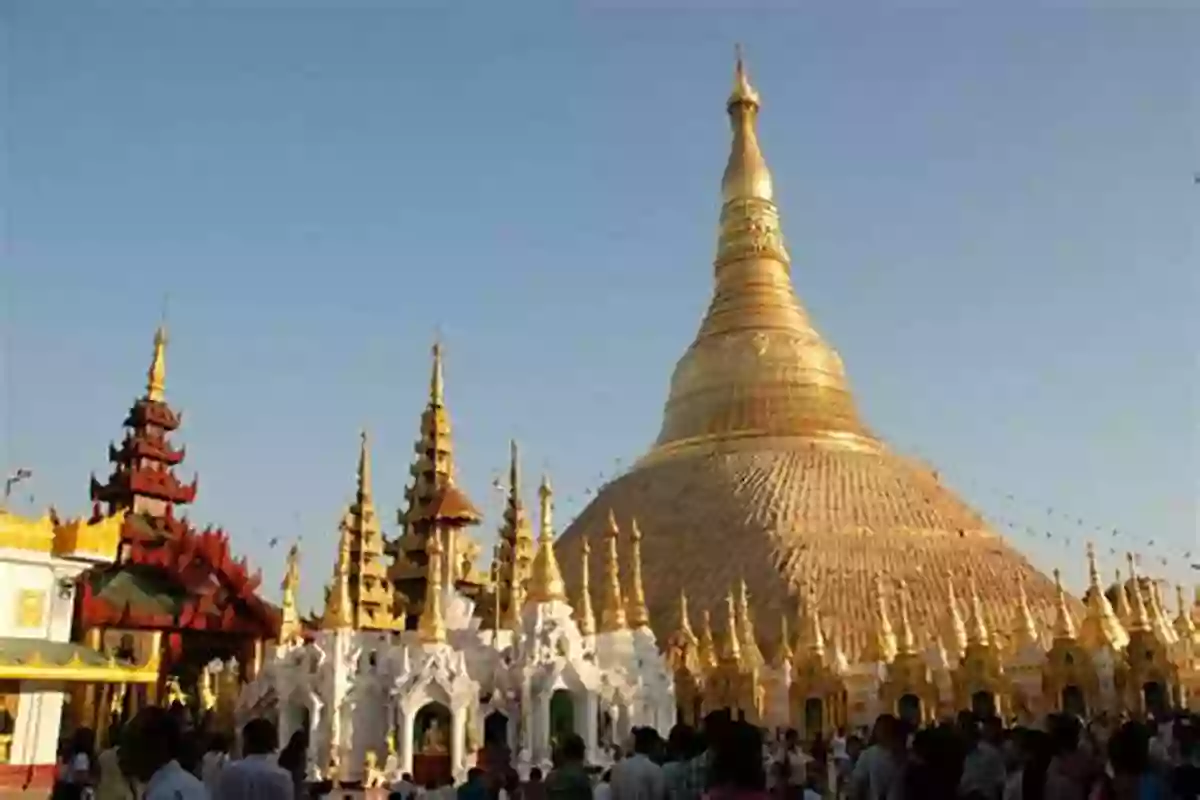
763	467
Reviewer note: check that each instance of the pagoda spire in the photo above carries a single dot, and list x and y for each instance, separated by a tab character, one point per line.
1121	606
707	649
810	637
584	617
545	580
516	536
289	615
1026	629
1158	615
977	631
432	625
338	608
907	642
371	598
156	376
1101	625
790	382
785	655
958	628
612	605
1139	620
635	606
732	649
685	621
1185	626
1064	625
885	648
749	641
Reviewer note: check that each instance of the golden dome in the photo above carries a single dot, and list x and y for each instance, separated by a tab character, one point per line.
763	468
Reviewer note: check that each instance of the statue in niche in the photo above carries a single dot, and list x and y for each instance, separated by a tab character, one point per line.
433	742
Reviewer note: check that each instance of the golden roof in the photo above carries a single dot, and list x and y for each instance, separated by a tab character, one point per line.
764	469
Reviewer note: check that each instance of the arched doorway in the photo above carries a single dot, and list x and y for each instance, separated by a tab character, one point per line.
983	704
562	717
431	744
1154	695
814	717
1073	701
909	709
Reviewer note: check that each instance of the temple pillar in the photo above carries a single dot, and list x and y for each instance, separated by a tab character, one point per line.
35	736
541	742
588	716
458	743
407	725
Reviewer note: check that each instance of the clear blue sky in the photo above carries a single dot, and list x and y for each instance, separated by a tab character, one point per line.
992	215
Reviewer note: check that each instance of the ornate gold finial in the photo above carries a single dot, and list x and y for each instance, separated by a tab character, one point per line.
1158	615
1185	626
746	174
1026	633
811	637
1139	620
1101	625
364	468
685	621
584	617
746	634
743	92
708	644
545	582
1122	608
732	651
977	631
1064	625
907	644
612	605
432	625
156	378
886	635
958	628
338	610
289	624
635	607
437	382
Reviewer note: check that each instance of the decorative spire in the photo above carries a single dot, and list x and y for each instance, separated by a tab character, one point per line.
1101	625
364	469
886	636
437	383
1064	626
1122	608
811	639
338	609
432	626
545	582
958	628
977	632
792	382
518	539
289	625
1139	620
732	651
784	656
584	617
749	642
156	377
685	620
1158	615
612	606
1026	629
1185	626
708	644
635	606
907	644
371	598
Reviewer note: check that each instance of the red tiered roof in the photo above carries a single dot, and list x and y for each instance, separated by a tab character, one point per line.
143	465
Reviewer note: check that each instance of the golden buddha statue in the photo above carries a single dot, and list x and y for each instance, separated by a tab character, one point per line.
433	743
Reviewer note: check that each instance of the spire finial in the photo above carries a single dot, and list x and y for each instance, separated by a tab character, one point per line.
1139	619
437	382
612	605
1101	624
289	626
338	613
636	612
958	628
708	644
545	582
156	377
1185	626
733	647
746	634
1027	633
584	617
1122	608
907	644
743	92
685	620
432	625
812	638
1064	625
977	631
886	635
364	467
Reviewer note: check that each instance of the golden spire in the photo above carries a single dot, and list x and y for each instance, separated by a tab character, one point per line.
584	617
1185	626
1122	608
156	377
1101	626
784	656
289	624
977	632
1158	615
437	382
519	538
1139	620
338	611
612	606
708	645
1064	626
785	380
545	582
957	627
635	605
907	644
432	626
685	621
746	636
1026	632
811	637
886	636
733	648
364	469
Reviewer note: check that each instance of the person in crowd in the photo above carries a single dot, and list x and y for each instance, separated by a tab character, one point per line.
569	779
1185	773
603	790
406	787
878	774
737	770
535	787
77	771
510	789
791	766
475	787
294	759
638	777
256	776
983	772
679	774
1129	759
214	760
149	753
111	782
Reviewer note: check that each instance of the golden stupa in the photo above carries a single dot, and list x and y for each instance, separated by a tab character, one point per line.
763	468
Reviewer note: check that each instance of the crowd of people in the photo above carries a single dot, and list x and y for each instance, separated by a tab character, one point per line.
157	756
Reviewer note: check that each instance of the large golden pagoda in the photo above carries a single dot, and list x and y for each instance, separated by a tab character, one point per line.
763	469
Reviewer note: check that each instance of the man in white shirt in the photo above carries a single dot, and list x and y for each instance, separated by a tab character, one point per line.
637	777
256	776
149	749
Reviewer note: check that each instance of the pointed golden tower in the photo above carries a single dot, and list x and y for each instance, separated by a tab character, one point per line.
751	653
1101	625
810	639
289	614
1064	625
907	642
584	617
884	647
1121	604
371	599
612	605
708	645
958	628
683	645
785	656
545	580
635	605
1139	619
516	542
731	646
338	608
156	377
1158	615
977	631
1185	626
1025	632
432	626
